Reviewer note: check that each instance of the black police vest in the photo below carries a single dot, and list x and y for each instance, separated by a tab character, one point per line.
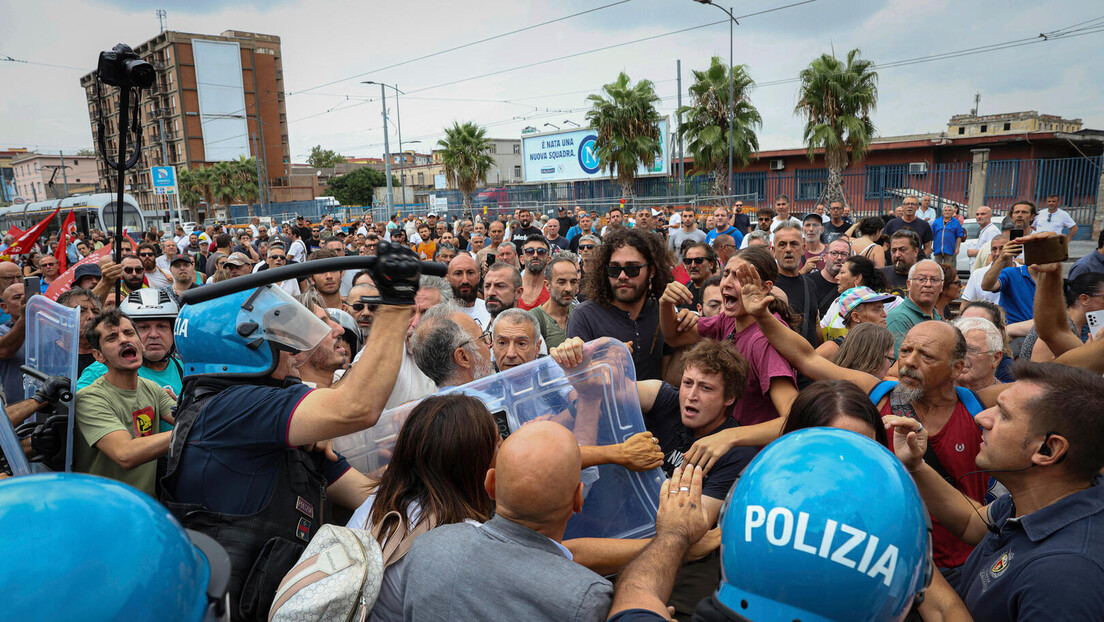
711	610
263	546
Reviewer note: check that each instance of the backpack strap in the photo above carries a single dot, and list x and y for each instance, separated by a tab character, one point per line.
881	389
970	400
399	542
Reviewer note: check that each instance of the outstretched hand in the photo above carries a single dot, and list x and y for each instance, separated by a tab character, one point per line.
681	512
755	296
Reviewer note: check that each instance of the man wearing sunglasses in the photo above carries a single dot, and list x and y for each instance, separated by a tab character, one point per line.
630	273
535	253
1055	218
361	303
700	262
134	274
585	227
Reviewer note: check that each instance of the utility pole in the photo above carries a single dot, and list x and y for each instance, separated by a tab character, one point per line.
161	17
402	154
678	133
387	154
165	162
257	164
64	177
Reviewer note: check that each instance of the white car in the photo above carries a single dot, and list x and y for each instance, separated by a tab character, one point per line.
964	262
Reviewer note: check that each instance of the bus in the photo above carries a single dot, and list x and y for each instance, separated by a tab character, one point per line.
91	211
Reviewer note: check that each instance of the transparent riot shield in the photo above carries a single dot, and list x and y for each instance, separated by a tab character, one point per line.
9	444
51	346
597	401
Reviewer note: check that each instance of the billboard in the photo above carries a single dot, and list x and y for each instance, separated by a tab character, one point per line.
221	100
569	156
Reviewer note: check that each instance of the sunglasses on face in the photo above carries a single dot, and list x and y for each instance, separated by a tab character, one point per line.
145	254
697	261
632	272
585	247
132	270
359	306
536	251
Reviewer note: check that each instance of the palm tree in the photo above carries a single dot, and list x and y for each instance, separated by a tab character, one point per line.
836	101
245	182
707	123
627	123
226	187
465	152
197	186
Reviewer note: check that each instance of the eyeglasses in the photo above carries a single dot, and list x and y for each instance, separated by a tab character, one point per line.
132	270
535	251
280	257
632	271
838	254
976	352
892	359
924	280
585	247
697	261
485	337
146	255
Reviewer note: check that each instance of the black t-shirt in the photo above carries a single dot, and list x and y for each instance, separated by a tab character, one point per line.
520	234
832	232
560	242
896	284
826	291
919	226
664	420
741	222
566	222
794	286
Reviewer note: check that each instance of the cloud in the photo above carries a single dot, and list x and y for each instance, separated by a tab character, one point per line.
328	40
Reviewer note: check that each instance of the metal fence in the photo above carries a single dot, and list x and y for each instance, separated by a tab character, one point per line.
870	190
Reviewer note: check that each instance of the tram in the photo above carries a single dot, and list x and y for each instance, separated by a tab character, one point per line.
92	211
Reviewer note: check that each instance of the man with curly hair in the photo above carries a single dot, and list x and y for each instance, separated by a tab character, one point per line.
630	273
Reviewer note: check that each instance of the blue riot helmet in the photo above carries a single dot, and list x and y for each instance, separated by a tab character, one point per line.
242	334
98	549
824	524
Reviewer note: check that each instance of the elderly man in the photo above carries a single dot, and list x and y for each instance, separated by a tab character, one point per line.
515	339
984	351
932	357
496	231
925	282
330	355
536	485
722	226
789	247
584	228
701	264
49	269
552	316
12	336
552	234
169	251
1037	554
824	281
450	348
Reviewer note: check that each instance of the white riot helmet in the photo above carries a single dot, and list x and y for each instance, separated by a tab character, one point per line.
149	304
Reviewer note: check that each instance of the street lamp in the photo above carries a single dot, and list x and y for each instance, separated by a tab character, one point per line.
731	86
550	125
387	146
566	121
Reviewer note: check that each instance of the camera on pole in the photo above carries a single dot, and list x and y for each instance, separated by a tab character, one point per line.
121	67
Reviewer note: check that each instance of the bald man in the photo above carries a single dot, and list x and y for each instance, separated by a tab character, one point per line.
513	567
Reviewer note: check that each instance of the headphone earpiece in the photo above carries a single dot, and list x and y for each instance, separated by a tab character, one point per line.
1044	449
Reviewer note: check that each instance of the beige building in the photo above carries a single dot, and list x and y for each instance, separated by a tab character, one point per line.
1009	123
42	176
216	98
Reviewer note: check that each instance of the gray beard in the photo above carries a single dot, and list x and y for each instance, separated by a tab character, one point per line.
907	395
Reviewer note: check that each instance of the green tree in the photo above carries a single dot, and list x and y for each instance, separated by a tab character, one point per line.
197	186
86	152
627	123
836	100
466	154
245	180
324	158
357	187
707	125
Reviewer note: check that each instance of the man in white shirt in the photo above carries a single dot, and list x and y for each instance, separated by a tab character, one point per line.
1055	218
782	213
463	276
926	211
973	290
298	249
986	230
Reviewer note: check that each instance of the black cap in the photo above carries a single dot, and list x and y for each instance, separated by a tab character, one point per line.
87	269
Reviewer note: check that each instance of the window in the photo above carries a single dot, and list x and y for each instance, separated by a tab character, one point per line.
1007	126
961	130
421	179
881	179
811	183
517	149
517	171
984	128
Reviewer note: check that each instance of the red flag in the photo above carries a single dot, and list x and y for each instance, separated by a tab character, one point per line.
64	282
67	233
24	242
15	231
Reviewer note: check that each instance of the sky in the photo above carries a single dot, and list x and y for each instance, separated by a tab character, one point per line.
42	105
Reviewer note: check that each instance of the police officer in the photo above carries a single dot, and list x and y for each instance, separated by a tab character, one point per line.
237	469
806	534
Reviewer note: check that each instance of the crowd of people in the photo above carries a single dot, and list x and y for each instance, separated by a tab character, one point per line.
745	330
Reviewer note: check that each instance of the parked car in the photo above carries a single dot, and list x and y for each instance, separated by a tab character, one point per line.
964	262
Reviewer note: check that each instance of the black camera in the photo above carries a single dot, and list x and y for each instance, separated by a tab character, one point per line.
123	68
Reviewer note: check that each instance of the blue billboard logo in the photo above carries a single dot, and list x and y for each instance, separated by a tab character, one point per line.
588	159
